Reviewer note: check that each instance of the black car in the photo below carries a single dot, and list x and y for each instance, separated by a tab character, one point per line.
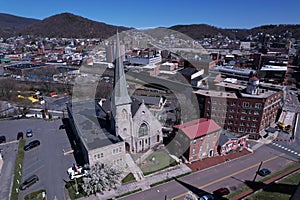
31	145
29	181
2	139
264	172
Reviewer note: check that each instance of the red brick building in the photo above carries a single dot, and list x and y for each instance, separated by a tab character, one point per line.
242	111
197	139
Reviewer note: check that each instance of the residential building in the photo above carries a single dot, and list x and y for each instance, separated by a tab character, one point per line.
229	143
196	139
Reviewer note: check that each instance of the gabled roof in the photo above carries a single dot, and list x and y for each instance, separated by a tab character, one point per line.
199	127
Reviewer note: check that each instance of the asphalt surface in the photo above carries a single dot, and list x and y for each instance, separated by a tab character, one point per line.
47	160
233	175
8	152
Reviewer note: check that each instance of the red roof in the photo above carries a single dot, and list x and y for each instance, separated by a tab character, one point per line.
254	78
199	127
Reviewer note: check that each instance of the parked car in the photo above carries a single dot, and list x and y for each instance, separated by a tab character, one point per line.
221	192
29	133
264	172
20	135
207	197
31	145
62	126
77	171
29	181
2	139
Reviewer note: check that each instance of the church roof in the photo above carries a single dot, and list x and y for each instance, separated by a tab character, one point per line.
198	127
90	122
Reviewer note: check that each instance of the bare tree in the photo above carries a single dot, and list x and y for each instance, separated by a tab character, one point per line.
190	196
101	177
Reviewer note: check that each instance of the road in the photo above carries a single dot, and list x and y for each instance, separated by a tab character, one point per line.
231	175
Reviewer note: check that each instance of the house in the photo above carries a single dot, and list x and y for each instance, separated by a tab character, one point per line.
229	143
196	139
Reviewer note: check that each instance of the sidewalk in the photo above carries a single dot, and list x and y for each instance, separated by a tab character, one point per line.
143	184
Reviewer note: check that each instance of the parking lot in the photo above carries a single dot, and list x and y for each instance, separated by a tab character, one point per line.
47	160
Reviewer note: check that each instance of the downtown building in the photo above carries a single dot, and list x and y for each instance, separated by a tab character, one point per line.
241	110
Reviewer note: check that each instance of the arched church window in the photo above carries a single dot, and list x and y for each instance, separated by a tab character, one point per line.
143	130
124	114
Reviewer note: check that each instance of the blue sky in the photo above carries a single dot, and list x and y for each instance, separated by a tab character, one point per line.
165	13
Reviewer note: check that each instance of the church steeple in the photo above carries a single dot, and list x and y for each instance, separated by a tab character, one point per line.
120	93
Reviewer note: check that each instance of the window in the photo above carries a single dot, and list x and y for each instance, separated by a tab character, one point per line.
243	111
246	104
258	105
195	141
256	113
201	138
243	117
241	129
200	148
233	103
193	151
242	124
143	130
124	114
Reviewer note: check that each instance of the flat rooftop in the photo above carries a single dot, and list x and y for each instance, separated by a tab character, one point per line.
263	93
87	116
220	94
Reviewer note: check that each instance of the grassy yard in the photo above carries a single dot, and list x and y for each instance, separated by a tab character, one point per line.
39	195
282	190
18	171
71	187
156	161
128	178
237	192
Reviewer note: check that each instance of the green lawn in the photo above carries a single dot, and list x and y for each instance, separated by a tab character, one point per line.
282	190
71	187
156	161
237	192
36	195
128	178
18	170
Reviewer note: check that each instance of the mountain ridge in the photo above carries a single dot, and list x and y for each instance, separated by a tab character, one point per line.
71	25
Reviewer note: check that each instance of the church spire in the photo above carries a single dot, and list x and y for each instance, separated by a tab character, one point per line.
120	93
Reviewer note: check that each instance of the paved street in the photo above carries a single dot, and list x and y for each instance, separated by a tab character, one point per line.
231	174
46	160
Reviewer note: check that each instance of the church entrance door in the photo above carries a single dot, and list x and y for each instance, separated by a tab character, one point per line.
127	147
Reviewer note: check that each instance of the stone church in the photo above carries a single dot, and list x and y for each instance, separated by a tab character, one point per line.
109	130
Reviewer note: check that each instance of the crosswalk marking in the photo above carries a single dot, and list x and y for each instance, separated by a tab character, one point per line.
286	149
